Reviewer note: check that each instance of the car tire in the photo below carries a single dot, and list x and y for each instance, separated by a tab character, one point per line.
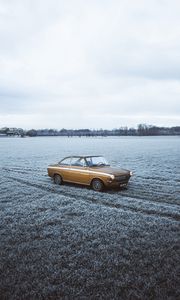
57	179
97	185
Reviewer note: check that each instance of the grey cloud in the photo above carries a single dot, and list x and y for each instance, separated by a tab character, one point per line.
100	59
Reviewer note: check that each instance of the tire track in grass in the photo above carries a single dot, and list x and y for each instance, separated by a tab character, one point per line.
159	197
162	194
154	190
157	192
20	171
132	193
153	212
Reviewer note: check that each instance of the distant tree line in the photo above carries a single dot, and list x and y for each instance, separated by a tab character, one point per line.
141	130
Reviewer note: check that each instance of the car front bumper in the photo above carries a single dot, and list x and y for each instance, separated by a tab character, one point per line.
116	184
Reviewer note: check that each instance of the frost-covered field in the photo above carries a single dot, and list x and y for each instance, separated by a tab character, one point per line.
69	242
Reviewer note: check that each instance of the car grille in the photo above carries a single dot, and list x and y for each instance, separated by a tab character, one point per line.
121	178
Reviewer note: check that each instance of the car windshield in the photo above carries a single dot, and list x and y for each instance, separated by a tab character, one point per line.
97	161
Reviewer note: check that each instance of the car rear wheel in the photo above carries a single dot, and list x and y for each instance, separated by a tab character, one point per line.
97	185
57	179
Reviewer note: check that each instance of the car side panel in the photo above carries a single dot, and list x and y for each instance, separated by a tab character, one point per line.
95	174
63	171
79	175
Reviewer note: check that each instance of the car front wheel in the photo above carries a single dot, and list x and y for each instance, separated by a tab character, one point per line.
57	179
97	185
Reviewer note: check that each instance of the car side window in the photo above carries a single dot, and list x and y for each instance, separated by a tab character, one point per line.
89	161
78	161
65	162
83	162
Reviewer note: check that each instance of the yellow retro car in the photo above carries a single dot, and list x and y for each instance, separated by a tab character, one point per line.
91	170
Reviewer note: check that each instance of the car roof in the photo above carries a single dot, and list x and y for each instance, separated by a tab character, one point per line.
82	156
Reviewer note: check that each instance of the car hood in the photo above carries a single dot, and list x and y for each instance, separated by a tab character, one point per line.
111	170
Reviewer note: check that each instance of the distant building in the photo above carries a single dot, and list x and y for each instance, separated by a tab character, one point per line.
15	131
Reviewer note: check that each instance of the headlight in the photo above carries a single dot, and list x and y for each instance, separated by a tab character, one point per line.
112	177
131	173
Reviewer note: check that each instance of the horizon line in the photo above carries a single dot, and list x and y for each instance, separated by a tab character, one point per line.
88	128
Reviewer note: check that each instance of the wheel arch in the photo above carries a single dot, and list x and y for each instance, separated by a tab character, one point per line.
56	173
98	179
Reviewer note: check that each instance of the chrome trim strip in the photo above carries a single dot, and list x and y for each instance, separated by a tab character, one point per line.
83	171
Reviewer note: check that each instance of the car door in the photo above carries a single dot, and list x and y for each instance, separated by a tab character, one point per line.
79	171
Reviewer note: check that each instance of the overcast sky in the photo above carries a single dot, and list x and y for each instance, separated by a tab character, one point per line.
89	64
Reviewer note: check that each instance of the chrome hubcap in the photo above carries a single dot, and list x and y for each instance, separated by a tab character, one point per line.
57	180
97	185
